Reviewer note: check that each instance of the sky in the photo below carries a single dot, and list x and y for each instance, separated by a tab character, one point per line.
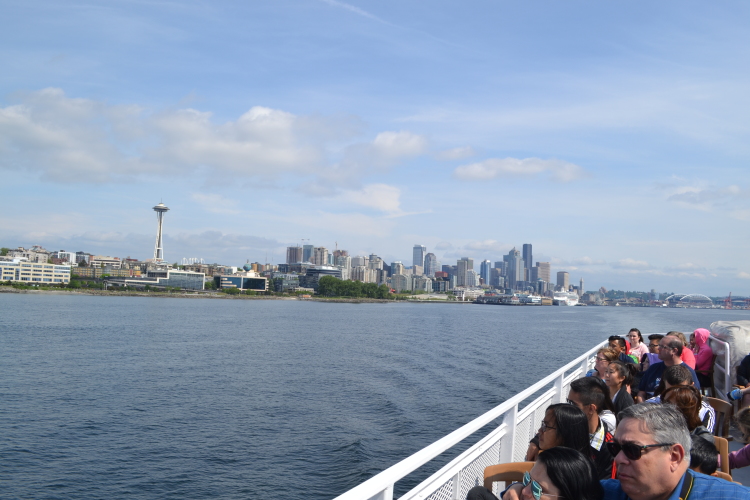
613	137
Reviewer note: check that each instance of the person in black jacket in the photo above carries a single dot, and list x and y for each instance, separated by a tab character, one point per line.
618	379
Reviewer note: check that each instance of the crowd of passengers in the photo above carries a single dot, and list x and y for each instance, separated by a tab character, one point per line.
636	427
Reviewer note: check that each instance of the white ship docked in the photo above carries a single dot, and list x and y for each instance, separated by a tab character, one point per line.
565	299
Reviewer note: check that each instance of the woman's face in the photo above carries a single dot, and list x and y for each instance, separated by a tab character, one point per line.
633	338
613	377
601	364
538	473
548	436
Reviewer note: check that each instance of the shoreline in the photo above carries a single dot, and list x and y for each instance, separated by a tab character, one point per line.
219	296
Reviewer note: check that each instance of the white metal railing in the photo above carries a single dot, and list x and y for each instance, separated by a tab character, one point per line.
506	443
722	367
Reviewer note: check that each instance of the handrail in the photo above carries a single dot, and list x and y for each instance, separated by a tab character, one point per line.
380	486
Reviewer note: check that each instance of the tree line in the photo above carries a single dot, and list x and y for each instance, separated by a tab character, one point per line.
330	286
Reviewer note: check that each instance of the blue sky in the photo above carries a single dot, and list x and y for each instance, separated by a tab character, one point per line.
614	138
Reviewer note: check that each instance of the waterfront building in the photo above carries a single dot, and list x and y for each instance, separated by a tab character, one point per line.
418	257
463	265
313	274
33	273
563	280
104	261
543	272
401	283
320	256
422	283
528	261
441	285
397	268
33	254
472	278
485	271
103	272
359	261
343	261
176	278
431	264
294	254
364	274
417	270
248	280
283	282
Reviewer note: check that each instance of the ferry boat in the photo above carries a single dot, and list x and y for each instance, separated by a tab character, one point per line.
565	299
508	441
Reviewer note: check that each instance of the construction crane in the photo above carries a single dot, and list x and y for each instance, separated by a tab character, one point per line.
728	301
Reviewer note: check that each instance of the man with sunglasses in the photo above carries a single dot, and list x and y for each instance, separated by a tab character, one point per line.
652	453
670	349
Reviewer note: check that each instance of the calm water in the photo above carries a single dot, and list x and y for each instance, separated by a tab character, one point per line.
173	398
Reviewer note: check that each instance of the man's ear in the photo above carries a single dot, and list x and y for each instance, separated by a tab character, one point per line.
676	456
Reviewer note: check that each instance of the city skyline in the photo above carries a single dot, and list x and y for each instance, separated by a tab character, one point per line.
617	146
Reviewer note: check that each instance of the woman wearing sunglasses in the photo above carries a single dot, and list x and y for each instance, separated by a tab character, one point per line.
559	473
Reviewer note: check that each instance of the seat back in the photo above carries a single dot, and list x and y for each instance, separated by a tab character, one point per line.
505	472
723	446
724	413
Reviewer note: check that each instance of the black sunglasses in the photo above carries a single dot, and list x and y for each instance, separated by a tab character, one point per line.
632	451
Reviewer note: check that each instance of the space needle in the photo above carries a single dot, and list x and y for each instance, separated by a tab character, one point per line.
160	210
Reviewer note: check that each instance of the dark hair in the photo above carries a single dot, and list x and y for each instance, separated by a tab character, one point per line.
594	391
703	455
688	400
674	375
572	426
636	330
655	336
620	341
627	371
675	343
572	473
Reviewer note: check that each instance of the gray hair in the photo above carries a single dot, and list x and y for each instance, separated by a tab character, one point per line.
665	422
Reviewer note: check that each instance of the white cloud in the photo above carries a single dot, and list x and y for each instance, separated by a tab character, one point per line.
492	168
630	264
455	153
378	196
744	275
215	203
66	139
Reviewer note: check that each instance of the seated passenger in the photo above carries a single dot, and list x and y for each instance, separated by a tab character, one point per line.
653	351
680	375
559	473
704	355
704	457
687	355
618	379
592	396
563	425
618	345
651	449
670	349
741	457
688	400
604	357
743	380
637	347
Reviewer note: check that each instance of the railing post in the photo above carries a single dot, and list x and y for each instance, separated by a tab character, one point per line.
386	494
506	452
456	485
559	388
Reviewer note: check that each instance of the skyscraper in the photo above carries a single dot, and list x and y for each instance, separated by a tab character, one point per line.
484	271
419	252
528	261
543	271
563	280
581	291
463	265
293	254
320	256
430	264
513	268
307	253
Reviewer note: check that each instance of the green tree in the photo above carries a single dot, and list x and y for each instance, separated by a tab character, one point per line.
74	284
231	291
4	251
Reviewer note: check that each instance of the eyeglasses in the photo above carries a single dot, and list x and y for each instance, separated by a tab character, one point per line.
544	427
632	451
601	359
536	488
654	346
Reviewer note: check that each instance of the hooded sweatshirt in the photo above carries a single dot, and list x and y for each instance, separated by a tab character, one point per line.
703	353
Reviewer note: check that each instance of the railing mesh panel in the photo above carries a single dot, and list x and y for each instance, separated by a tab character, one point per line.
445	492
473	474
